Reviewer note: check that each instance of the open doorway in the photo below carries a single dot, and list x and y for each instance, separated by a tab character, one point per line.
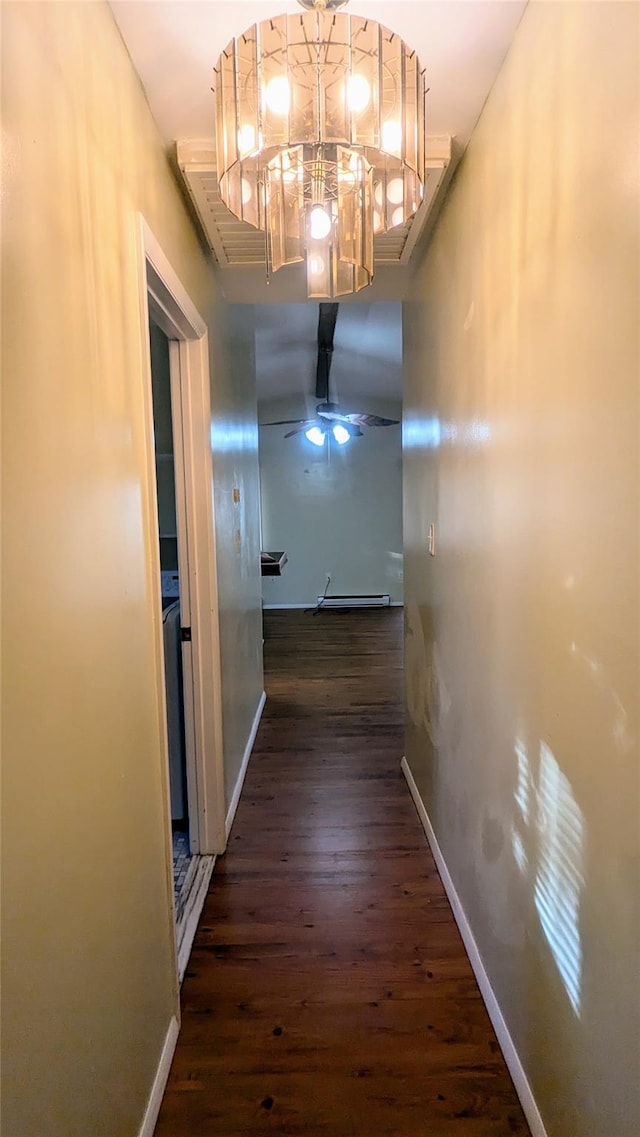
175	631
183	582
329	380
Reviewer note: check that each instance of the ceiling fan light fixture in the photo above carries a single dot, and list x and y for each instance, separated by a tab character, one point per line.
341	434
318	114
315	435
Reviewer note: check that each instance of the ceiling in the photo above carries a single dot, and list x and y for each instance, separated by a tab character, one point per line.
174	45
367	356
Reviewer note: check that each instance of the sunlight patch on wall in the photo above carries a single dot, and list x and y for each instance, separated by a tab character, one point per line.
550	810
559	879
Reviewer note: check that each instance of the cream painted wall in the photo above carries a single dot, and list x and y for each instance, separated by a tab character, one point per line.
234	434
521	443
342	516
88	954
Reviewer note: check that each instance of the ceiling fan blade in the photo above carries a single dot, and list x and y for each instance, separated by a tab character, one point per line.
326	331
283	422
306	425
372	420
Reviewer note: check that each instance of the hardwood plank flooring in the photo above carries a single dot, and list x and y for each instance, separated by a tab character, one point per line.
329	992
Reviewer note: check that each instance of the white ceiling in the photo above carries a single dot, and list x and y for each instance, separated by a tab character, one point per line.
367	356
174	45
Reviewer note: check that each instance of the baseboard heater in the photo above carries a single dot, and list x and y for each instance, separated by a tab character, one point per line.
382	601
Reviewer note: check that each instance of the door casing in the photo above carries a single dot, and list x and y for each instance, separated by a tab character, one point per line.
164	297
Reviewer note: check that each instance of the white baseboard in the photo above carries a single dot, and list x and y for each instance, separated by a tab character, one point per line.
193	908
312	605
160	1081
511	1057
286	607
233	805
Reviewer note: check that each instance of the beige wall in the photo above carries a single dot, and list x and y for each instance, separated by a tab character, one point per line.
234	433
88	957
521	443
342	517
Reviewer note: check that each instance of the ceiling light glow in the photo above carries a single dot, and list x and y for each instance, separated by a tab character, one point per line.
315	435
391	137
320	223
358	93
395	191
341	434
246	139
278	95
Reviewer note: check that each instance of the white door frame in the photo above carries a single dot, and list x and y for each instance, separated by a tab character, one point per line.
164	296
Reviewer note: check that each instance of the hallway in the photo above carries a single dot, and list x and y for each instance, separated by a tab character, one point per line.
328	991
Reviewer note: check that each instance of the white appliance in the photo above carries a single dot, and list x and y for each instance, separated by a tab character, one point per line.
175	710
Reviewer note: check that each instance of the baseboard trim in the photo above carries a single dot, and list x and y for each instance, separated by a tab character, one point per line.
233	805
160	1081
312	605
286	607
511	1057
192	911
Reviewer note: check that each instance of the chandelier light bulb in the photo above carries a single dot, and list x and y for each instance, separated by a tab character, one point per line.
320	223
278	95
391	137
358	94
315	435
395	191
341	434
246	140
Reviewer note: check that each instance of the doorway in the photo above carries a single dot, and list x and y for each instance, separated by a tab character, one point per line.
174	582
183	583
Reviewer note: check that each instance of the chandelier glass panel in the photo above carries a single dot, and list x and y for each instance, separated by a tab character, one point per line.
320	132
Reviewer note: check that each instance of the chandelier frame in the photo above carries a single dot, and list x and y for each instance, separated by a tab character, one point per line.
326	92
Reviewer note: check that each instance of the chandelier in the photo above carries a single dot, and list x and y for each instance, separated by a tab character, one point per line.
320	133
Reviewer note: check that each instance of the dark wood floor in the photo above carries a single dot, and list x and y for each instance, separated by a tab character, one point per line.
328	992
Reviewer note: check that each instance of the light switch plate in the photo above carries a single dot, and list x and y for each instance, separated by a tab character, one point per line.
432	539
170	583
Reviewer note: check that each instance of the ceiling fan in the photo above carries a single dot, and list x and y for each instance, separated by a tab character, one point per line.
329	419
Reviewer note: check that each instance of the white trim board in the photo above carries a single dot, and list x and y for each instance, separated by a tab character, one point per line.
160	1081
192	911
511	1057
313	605
235	798
286	607
163	295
